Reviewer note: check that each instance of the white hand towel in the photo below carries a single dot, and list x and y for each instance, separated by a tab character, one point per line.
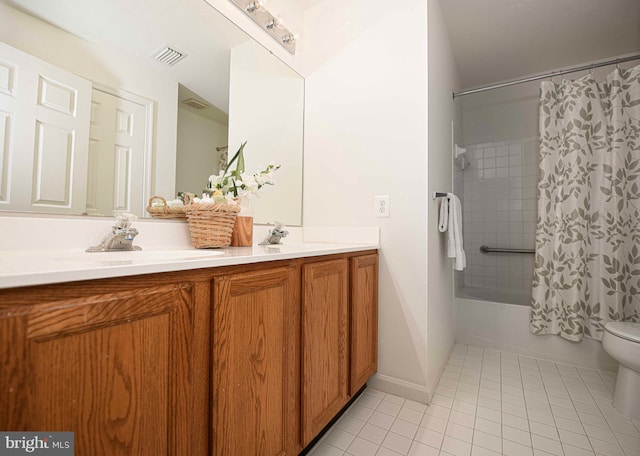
455	245
443	221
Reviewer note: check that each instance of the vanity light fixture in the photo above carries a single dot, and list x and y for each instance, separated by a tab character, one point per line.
257	10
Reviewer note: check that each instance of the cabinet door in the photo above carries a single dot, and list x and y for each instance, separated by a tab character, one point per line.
114	368
256	321
364	319
325	356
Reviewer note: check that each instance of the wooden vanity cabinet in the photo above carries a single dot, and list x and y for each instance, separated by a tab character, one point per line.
121	363
255	372
325	343
339	335
363	288
238	360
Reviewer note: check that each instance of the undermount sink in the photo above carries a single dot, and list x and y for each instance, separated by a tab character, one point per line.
138	256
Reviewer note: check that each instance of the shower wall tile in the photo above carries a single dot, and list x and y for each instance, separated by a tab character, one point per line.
499	204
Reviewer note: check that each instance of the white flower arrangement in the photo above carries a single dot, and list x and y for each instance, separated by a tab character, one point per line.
227	186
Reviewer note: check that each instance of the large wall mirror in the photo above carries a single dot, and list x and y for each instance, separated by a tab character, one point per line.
105	103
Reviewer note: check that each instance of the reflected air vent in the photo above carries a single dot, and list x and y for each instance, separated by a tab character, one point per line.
196	104
168	55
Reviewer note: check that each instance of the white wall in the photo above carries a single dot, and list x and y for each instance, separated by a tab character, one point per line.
271	128
99	65
365	135
197	157
443	81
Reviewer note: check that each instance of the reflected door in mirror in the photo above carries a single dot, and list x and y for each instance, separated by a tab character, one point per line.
116	155
43	135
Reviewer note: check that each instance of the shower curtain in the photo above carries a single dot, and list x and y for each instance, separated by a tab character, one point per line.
587	263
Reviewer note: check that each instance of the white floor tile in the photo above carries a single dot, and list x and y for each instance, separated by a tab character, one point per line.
569	425
510	448
397	443
359	412
456	447
389	408
429	437
480	451
515	422
516	435
434	423
381	420
339	438
438	412
361	447
404	428
411	415
489	414
574	451
606	448
577	440
462	418
386	452
459	432
369	401
488	441
350	424
395	399
372	433
491	403
548	445
324	449
545	430
488	427
419	449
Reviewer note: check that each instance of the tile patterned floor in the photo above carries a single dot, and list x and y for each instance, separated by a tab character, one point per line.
491	403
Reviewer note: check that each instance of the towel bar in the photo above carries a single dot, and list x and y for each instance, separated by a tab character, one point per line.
487	249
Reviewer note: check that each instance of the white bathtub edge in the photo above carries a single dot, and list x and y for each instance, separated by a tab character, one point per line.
506	327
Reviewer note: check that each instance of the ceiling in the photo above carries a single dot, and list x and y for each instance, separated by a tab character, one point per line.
498	40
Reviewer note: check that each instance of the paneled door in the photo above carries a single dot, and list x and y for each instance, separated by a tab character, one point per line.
44	135
116	154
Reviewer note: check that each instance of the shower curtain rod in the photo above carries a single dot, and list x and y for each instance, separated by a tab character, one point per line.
547	75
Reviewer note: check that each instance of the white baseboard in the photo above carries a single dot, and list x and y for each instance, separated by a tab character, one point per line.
392	385
431	389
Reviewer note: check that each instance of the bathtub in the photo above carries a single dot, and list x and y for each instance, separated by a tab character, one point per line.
499	319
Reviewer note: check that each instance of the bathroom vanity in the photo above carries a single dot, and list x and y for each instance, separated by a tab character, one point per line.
251	358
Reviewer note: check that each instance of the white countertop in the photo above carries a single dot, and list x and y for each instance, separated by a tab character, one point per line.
24	268
42	250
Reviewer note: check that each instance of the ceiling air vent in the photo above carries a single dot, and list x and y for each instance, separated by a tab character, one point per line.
196	104
168	55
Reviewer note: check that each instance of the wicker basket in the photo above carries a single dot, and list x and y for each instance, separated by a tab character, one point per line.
211	224
167	212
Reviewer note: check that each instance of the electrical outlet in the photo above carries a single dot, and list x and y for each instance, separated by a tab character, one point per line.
381	208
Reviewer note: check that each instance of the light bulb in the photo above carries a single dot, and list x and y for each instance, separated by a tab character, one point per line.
255	5
275	23
290	38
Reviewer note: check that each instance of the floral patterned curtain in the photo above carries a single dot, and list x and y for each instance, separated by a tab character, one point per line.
587	263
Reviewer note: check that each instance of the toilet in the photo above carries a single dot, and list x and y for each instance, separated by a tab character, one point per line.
622	341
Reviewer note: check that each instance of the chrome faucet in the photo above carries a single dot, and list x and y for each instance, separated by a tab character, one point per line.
275	235
121	236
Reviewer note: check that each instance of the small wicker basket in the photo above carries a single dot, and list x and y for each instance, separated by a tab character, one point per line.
167	212
211	224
